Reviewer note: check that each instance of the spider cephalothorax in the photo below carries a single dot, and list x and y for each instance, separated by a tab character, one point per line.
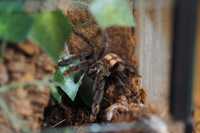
102	68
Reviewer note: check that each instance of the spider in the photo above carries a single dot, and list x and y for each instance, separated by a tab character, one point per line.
102	67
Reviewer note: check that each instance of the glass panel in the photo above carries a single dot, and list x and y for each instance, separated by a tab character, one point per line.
197	79
154	24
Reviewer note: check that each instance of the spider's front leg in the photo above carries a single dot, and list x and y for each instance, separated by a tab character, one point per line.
81	56
77	62
98	87
69	60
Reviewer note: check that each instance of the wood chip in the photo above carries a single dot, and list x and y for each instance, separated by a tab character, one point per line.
29	48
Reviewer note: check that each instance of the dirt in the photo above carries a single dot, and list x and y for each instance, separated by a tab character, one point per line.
26	63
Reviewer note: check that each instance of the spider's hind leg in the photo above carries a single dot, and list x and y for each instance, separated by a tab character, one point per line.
87	41
104	44
121	82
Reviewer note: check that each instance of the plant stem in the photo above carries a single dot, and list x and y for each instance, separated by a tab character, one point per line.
44	82
16	122
2	50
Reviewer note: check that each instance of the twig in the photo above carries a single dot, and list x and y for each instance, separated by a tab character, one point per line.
44	82
55	125
84	24
16	122
85	4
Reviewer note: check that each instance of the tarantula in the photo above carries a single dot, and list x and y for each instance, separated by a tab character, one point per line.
102	67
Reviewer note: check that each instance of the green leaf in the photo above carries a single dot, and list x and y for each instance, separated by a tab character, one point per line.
50	31
55	94
71	87
11	6
86	92
69	84
15	23
112	13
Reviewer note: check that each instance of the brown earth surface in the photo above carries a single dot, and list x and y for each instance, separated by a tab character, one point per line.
23	64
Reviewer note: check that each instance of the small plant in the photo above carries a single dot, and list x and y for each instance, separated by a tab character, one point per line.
48	29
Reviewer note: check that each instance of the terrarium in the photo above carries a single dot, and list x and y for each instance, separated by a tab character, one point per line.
98	66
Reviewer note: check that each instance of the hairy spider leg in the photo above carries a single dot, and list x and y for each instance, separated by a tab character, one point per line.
120	82
104	45
82	66
132	69
70	60
98	89
81	56
86	40
92	71
98	96
122	76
